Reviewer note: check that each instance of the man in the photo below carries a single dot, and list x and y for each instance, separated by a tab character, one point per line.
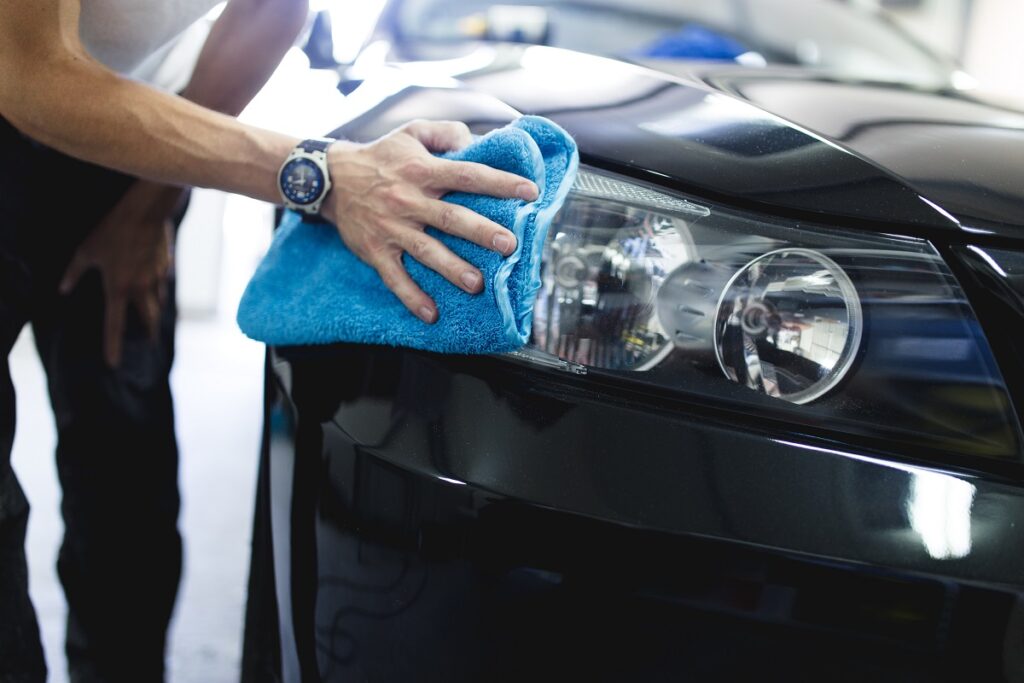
84	257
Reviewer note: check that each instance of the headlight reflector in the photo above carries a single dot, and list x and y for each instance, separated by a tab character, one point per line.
788	325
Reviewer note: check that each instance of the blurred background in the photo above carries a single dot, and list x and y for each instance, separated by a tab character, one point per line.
972	46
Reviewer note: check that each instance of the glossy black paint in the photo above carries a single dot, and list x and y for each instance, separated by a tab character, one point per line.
642	123
532	435
444	518
778	140
471	519
963	154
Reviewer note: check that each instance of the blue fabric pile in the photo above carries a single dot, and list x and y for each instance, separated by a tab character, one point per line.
310	289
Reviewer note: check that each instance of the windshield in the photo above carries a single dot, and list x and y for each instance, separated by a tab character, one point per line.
823	34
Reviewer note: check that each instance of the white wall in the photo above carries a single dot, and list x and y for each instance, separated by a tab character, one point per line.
988	45
995	49
936	23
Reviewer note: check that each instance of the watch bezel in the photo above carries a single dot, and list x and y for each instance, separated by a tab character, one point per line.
318	158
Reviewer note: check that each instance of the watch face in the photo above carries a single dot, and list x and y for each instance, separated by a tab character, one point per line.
302	181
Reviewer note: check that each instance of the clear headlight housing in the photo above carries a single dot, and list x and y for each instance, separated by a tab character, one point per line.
861	332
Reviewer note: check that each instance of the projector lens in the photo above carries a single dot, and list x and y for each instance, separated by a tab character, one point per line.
789	325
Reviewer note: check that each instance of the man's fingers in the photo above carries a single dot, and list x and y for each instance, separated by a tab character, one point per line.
440	136
462	222
113	329
392	272
161	292
433	254
148	305
72	275
468	176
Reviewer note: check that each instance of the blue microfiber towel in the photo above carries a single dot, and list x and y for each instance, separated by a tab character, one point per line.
310	289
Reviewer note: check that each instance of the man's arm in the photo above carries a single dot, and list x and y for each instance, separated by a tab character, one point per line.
131	246
243	49
55	92
245	45
385	192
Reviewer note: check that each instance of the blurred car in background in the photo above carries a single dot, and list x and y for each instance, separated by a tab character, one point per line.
821	36
769	421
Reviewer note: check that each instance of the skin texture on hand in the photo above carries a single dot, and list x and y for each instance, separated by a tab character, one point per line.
132	250
385	193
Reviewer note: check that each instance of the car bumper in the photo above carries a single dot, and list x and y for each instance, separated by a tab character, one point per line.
446	518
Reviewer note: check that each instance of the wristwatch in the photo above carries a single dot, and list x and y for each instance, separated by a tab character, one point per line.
304	178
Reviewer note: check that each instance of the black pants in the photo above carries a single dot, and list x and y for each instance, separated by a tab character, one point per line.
120	561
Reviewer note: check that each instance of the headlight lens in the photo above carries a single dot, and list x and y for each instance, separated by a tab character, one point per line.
867	333
789	325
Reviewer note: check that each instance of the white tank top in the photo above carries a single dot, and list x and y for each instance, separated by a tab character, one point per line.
133	37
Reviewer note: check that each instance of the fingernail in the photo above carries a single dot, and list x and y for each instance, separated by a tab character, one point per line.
427	314
503	243
471	280
527	191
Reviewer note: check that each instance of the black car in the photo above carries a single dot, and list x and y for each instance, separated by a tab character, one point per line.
769	423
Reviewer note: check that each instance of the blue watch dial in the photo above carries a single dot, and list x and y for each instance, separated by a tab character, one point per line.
302	181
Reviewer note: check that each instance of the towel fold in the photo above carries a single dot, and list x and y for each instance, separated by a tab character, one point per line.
311	289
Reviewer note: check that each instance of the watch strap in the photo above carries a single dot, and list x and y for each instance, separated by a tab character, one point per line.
316	144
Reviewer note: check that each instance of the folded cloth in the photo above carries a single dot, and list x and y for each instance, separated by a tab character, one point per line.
311	289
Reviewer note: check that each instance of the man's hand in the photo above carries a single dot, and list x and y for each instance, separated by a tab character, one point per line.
385	192
131	249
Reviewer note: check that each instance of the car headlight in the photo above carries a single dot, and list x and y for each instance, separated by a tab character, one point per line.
788	324
862	332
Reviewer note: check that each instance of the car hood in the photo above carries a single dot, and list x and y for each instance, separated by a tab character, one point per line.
856	155
963	153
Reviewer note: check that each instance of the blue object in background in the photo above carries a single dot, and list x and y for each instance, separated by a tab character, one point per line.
693	41
311	289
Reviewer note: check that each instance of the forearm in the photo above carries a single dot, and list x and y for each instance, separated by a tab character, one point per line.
243	49
88	112
51	89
